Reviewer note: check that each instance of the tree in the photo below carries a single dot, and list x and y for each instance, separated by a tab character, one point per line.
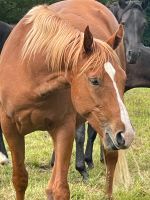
11	11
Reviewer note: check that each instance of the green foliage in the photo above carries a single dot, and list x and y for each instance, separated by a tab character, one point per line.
103	1
11	11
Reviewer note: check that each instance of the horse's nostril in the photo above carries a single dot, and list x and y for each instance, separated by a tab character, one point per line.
120	139
130	52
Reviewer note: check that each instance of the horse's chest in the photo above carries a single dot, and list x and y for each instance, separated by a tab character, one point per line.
31	114
40	117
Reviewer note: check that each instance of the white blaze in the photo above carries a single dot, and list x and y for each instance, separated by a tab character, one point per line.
123	112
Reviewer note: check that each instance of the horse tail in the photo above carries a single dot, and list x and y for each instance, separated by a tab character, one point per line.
122	174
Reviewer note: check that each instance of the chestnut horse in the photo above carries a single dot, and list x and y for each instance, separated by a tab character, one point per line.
48	57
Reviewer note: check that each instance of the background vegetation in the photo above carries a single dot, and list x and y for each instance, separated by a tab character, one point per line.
12	10
39	148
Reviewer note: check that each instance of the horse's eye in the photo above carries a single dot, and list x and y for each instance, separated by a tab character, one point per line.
95	81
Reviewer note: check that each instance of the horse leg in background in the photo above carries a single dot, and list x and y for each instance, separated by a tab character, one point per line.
102	159
52	159
80	163
3	152
89	147
80	158
111	159
17	147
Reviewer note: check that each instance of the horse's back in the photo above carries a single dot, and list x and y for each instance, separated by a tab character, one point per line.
81	13
98	17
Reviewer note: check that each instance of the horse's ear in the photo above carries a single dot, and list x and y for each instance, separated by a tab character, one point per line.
116	38
144	4
123	3
88	40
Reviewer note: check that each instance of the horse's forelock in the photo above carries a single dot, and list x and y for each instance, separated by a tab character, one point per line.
102	54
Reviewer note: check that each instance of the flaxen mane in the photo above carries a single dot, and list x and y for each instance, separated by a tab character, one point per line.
59	42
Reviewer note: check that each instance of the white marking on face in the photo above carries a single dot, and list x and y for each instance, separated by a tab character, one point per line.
3	159
124	114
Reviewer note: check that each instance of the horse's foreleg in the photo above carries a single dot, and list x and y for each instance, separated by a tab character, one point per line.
110	160
3	152
17	148
63	138
89	147
80	158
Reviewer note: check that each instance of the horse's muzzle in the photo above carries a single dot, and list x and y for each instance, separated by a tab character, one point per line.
116	142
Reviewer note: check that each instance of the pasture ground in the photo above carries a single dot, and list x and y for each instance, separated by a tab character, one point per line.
39	146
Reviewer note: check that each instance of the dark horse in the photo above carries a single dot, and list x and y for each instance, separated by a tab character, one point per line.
5	30
131	14
51	55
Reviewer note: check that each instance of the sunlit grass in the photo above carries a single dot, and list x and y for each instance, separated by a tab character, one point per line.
39	148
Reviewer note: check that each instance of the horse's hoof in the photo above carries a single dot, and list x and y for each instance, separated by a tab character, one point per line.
90	165
85	176
3	159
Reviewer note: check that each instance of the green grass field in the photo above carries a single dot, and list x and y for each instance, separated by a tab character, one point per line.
39	147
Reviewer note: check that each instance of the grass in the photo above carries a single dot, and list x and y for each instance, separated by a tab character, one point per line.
39	146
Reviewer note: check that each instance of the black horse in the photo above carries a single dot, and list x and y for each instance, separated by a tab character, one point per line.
5	30
131	14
